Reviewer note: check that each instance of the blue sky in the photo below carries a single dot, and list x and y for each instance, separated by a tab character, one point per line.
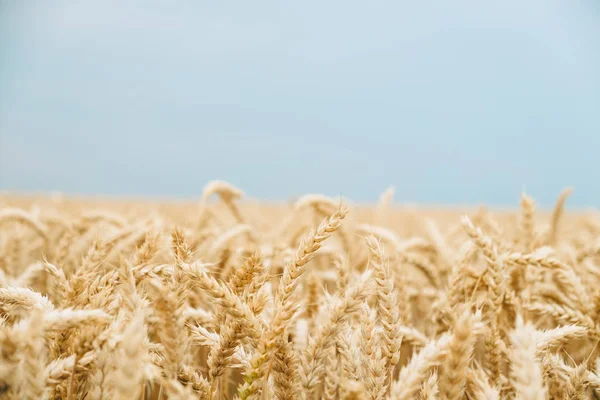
459	102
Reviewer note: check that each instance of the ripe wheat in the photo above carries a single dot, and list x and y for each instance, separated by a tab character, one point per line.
226	299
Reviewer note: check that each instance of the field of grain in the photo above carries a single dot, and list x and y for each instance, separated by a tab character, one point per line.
317	299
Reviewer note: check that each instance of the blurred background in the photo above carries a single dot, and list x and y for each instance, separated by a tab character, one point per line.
460	102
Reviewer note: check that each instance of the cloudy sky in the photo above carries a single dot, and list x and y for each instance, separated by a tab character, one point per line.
458	102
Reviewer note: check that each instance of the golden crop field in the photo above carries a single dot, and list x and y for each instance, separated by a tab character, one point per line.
226	298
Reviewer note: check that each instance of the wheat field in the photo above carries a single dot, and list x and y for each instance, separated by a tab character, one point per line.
226	298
